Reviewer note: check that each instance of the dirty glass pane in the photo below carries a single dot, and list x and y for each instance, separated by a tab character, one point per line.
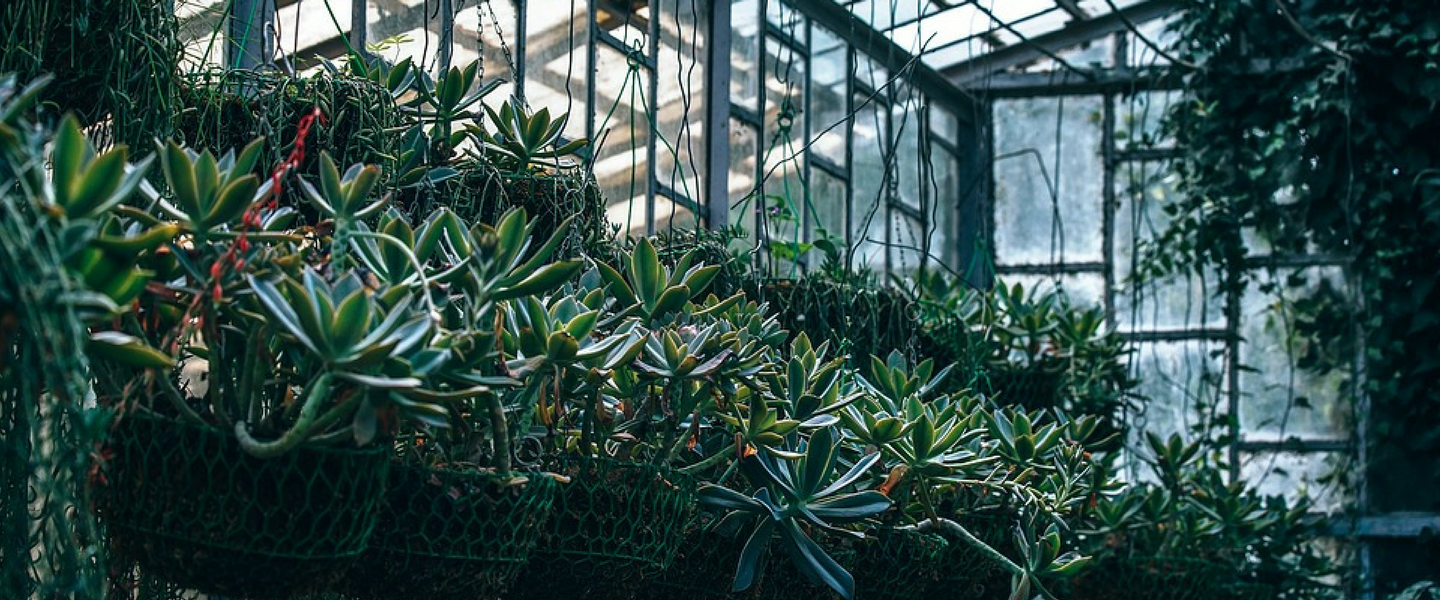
745	32
827	207
1046	210
1139	118
744	148
1318	475
681	99
945	189
1085	290
555	61
909	168
1285	394
1181	383
1182	302
907	242
621	163
868	172
828	84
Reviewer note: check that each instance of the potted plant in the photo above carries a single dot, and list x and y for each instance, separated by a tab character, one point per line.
253	368
1024	366
1191	535
459	520
615	371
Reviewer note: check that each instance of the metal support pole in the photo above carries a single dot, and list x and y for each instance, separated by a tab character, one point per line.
447	34
358	22
717	117
249	27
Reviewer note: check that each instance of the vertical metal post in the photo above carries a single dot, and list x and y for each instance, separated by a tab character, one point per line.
849	234
652	177
520	24
758	204
592	112
447	34
249	25
358	23
717	116
1107	193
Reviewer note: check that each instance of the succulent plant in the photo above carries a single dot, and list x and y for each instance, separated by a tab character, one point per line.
522	141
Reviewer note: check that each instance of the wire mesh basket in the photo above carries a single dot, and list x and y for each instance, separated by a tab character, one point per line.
616	525
189	506
451	534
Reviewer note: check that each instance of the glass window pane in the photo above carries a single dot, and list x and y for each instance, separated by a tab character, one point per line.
554	74
909	168
907	242
1282	397
631	27
944	124
1182	382
744	148
783	142
1140	118
623	136
868	172
681	98
745	32
1083	289
1142	189
1044	210
787	19
1293	474
870	73
827	95
827	208
945	173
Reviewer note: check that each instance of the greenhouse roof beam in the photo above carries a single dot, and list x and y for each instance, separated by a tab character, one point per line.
1074	34
871	42
1073	8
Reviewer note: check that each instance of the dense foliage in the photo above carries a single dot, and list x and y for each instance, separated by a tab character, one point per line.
1311	129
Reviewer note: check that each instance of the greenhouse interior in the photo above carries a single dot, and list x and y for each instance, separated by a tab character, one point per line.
719	299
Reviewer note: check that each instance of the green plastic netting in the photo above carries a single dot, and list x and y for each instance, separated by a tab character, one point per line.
483	194
969	575
865	320
1034	388
704	567
616	524
898	564
187	505
1151	579
50	546
451	534
227	109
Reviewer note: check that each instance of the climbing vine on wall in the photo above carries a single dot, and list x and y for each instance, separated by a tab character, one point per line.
1311	126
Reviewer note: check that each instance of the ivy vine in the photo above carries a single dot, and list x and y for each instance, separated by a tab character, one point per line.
1313	127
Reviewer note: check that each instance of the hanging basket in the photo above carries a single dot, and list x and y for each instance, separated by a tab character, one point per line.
451	534
1034	388
1151	579
616	524
483	195
187	505
704	568
898	564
